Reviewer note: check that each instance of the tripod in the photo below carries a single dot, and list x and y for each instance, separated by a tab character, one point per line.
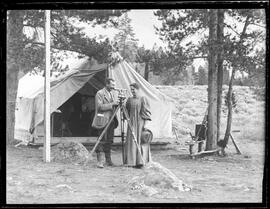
123	113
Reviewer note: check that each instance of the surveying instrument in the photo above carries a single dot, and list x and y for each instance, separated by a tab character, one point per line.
123	116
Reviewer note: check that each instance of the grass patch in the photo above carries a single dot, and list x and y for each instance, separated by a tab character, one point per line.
191	104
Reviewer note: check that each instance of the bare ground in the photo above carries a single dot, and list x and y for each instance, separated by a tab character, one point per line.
235	178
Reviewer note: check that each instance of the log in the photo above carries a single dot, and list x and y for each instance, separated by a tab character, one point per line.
206	152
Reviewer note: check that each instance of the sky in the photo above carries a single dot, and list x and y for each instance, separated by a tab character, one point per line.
142	22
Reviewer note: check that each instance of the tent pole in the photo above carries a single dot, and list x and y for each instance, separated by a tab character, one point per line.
47	102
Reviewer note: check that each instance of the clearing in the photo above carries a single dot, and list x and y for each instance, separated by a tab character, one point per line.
235	178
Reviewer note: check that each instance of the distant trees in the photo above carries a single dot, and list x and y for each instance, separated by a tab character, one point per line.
163	63
144	56
226	76
195	76
125	39
203	78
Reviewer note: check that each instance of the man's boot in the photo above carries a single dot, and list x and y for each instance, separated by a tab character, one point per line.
99	160
108	155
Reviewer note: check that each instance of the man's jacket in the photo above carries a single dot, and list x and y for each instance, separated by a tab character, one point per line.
104	109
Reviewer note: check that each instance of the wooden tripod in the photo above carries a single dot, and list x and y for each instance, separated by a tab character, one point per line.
123	110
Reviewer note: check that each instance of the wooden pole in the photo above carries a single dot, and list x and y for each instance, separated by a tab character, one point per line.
47	102
235	145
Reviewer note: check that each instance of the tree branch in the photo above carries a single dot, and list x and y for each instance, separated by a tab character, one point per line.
254	74
28	25
33	26
243	35
262	26
53	35
199	57
244	29
232	29
53	47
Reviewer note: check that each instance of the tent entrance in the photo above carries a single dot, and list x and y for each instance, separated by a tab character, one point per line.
74	117
77	112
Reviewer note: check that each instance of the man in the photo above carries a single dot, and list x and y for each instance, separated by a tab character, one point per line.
105	103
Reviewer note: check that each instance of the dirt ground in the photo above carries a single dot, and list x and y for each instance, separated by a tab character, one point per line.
235	178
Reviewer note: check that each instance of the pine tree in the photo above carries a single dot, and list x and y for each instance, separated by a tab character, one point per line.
202	76
125	39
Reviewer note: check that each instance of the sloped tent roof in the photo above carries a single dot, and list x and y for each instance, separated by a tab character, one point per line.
30	97
160	104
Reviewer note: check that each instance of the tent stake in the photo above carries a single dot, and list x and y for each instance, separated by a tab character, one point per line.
47	102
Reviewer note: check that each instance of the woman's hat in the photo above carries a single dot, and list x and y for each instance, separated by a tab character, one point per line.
146	136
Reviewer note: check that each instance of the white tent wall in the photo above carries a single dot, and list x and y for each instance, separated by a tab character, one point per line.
23	118
160	104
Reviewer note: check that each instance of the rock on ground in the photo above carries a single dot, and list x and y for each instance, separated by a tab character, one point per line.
156	179
159	176
70	152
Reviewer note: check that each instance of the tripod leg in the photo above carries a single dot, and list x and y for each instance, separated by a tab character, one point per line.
104	130
132	133
122	135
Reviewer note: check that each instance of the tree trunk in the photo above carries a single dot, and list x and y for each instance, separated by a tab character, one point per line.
14	51
224	142
229	117
220	58
146	71
211	142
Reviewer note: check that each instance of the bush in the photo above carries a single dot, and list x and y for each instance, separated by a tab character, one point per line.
233	100
259	92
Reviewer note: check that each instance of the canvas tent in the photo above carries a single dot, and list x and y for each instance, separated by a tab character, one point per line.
84	77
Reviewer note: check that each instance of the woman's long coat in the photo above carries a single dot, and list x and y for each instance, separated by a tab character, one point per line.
139	111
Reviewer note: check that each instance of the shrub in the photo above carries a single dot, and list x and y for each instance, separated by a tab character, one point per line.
233	100
259	92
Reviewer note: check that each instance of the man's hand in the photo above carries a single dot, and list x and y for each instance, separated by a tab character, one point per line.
115	103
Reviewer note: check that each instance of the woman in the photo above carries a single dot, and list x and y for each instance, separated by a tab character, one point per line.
139	113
